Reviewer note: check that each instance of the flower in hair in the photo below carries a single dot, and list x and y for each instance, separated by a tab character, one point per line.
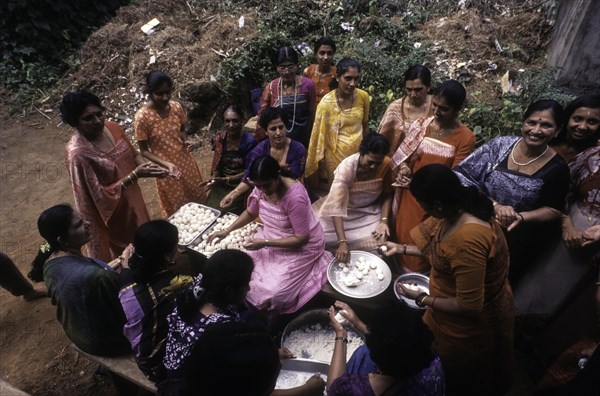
45	248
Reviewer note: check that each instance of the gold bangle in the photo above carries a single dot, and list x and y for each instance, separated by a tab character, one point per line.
342	240
521	216
135	175
344	339
383	219
266	241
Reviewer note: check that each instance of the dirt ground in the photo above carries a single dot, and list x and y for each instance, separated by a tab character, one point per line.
34	352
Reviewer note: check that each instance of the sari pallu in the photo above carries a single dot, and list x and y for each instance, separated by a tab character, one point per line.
563	273
114	213
358	203
418	150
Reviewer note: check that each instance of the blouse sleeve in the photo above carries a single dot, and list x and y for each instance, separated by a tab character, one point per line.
468	255
473	169
299	210
296	158
181	113
366	108
350	385
141	126
253	205
257	152
465	147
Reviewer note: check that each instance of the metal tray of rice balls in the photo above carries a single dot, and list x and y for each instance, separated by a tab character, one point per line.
364	276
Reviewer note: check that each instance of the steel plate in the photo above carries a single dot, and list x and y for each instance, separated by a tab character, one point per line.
369	285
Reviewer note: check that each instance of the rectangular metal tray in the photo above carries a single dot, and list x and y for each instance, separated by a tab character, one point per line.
201	230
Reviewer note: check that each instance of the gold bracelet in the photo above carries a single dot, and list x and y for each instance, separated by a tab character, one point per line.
342	240
522	218
135	175
344	339
266	241
383	219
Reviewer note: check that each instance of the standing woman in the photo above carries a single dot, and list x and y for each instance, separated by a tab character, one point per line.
441	139
159	130
323	71
104	169
401	113
231	146
527	181
340	125
293	94
470	306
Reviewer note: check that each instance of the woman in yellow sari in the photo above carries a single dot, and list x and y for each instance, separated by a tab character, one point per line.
340	125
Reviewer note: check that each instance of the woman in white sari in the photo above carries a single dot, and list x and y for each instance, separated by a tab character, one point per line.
355	214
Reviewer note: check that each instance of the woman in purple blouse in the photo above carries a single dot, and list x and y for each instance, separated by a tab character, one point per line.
397	359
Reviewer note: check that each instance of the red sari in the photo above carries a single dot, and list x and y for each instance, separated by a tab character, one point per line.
114	213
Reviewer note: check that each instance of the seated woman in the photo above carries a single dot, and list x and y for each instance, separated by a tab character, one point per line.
527	181
340	125
397	359
76	283
147	294
231	146
355	214
290	154
211	301
470	306
565	269
293	94
323	71
440	139
289	251
401	113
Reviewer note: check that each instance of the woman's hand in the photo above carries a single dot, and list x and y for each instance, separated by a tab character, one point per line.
255	244
150	169
403	177
351	316
285	353
507	216
337	326
173	171
408	293
314	386
391	248
227	200
573	237
342	253
381	232
591	235
217	234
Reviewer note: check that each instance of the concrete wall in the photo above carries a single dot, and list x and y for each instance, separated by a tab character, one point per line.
575	46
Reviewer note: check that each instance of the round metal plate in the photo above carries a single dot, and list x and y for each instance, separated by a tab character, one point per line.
420	280
369	285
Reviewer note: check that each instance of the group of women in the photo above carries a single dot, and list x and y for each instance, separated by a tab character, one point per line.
322	185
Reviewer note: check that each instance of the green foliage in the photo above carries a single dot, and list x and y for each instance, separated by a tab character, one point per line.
489	120
38	35
383	45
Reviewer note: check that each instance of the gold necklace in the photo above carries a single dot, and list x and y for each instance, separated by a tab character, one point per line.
512	155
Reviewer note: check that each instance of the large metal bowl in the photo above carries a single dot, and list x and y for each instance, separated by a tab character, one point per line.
370	285
320	336
420	280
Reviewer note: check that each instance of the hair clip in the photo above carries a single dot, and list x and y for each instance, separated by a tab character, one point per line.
45	248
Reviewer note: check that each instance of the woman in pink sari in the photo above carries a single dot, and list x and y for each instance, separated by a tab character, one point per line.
290	261
104	169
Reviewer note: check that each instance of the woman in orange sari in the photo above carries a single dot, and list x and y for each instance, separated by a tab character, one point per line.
470	308
441	139
159	130
322	72
104	169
